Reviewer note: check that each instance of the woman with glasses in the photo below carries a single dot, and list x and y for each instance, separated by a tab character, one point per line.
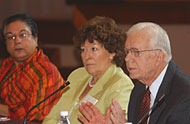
26	74
101	79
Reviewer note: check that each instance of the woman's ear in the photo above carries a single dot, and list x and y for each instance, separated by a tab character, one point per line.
112	56
36	40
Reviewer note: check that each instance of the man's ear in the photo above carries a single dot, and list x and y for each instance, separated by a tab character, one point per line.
160	57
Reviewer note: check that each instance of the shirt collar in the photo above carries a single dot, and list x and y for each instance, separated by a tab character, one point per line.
156	84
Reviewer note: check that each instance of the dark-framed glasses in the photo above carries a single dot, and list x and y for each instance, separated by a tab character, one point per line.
21	35
135	52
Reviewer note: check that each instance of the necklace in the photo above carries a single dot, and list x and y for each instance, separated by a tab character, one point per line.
89	83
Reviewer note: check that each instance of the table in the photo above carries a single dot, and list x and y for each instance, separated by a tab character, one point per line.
17	121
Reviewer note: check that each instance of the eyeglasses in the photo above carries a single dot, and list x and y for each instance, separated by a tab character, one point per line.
21	35
135	52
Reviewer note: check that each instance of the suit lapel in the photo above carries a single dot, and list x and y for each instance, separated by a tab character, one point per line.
164	89
135	102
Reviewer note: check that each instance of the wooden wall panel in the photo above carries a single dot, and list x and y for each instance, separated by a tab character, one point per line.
132	12
55	32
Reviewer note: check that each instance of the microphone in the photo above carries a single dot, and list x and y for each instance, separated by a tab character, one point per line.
157	103
60	88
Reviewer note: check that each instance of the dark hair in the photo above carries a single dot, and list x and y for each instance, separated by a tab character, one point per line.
26	18
107	33
17	17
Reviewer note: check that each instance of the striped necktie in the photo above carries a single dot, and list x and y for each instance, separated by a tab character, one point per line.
145	106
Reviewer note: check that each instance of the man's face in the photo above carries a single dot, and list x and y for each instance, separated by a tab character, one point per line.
141	60
19	41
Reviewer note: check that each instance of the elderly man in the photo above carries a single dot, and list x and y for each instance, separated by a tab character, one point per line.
162	95
26	76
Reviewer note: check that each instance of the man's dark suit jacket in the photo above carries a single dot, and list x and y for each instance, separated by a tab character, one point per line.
175	107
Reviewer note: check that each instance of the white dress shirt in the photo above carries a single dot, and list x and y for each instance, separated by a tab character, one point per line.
154	87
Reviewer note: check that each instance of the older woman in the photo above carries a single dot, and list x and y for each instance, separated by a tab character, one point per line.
100	80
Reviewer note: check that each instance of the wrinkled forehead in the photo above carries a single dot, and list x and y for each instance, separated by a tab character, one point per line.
140	40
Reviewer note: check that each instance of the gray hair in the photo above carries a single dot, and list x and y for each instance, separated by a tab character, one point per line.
159	40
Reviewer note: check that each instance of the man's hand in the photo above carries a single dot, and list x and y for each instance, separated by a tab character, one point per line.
93	115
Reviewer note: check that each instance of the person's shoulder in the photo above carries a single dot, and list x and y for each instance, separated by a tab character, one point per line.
180	76
6	63
122	74
180	82
77	76
78	73
176	75
45	62
122	78
49	67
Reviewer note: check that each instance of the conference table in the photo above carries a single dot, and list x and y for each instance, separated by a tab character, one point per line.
17	121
